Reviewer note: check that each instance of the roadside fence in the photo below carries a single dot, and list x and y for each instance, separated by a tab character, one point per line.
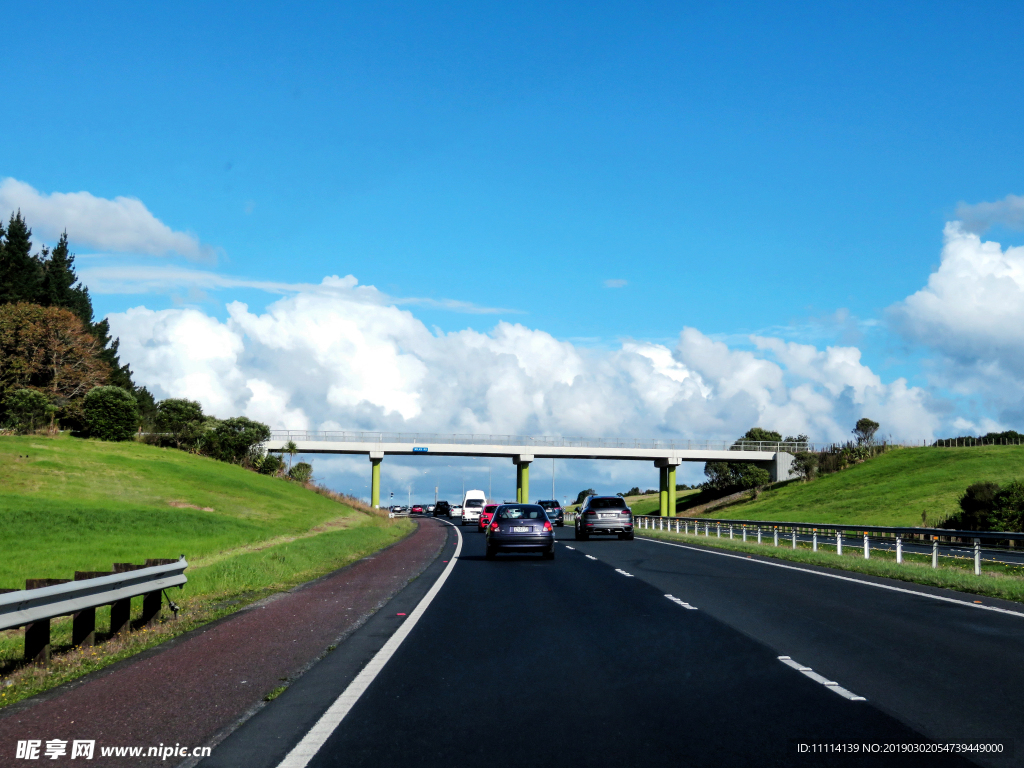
994	546
46	599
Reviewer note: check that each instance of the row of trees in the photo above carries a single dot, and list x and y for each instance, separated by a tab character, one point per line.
59	368
49	343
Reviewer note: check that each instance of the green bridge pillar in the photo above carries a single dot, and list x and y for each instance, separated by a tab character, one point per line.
667	487
523	478
671	473
663	491
375	479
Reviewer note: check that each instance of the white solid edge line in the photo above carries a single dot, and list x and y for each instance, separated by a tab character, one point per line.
304	751
841	578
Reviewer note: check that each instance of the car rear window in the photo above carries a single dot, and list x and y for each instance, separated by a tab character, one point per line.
549	504
531	512
474	502
489	509
607	503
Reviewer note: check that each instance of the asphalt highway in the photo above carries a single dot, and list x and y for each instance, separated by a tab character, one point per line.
585	661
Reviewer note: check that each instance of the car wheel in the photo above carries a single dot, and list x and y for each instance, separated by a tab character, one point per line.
490	553
550	554
578	535
625	536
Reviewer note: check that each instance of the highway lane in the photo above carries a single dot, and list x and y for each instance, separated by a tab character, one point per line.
949	670
521	661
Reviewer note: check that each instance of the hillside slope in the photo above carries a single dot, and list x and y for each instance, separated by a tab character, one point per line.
68	504
896	488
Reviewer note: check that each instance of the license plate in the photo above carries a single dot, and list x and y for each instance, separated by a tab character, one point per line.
605	517
520	529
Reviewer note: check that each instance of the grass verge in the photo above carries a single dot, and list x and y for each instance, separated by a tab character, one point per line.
215	590
997	580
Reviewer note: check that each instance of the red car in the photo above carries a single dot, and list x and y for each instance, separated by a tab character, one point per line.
485	516
417	509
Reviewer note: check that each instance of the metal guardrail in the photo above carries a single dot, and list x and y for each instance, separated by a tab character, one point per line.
34	607
885	538
535	441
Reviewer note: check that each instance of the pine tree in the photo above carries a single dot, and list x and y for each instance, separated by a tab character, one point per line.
58	287
120	375
20	273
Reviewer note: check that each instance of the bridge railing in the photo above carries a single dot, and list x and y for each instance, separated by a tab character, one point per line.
533	441
1000	546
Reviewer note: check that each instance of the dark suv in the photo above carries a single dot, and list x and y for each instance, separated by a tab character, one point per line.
442	508
604	514
555	513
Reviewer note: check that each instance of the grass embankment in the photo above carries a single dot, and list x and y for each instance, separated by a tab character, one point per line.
905	487
997	579
69	504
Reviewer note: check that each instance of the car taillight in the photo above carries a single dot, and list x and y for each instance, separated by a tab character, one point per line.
494	526
547	526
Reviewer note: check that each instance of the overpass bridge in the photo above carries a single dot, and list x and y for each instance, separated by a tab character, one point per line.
777	458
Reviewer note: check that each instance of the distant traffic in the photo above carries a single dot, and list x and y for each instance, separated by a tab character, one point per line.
521	527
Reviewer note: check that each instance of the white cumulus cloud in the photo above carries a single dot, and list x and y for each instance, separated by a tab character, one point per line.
336	360
972	309
971	312
121	225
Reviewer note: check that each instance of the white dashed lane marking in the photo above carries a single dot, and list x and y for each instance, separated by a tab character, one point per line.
832	685
685	605
568	547
619	570
591	557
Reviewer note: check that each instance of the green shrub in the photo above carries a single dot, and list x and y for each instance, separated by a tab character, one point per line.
236	440
987	507
301	472
110	413
180	419
270	464
27	410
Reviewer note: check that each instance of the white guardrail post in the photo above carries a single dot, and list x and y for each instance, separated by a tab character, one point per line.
899	549
776	535
839	542
867	547
814	540
935	551
34	608
977	557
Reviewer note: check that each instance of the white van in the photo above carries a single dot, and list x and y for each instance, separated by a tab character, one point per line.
472	506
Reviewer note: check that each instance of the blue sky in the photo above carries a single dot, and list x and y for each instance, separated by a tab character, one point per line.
782	170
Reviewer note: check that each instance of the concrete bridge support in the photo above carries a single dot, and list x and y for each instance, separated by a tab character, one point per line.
522	477
667	489
376	457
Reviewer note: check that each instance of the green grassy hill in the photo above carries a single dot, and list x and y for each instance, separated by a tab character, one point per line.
68	504
896	488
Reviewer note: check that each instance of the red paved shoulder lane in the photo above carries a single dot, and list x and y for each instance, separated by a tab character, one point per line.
192	690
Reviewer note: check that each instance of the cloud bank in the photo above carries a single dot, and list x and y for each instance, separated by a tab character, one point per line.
346	359
121	225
